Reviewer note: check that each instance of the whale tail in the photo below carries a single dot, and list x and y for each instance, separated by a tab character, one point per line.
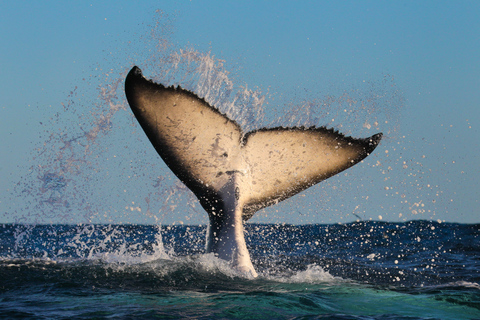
233	173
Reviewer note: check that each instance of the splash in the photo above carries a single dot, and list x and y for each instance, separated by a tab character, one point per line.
111	244
207	77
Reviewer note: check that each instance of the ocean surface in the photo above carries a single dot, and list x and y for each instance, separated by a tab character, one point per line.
362	270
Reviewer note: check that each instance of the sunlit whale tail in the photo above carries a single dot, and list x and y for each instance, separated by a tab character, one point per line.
233	173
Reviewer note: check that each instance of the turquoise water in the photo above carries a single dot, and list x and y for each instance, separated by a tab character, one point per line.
415	270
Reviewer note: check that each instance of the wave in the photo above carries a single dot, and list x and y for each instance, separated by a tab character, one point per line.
405	256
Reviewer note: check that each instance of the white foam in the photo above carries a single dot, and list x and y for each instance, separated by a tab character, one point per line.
313	274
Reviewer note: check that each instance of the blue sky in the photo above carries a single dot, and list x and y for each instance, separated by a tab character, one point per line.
411	66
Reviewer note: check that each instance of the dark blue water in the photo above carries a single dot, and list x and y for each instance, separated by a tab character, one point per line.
363	270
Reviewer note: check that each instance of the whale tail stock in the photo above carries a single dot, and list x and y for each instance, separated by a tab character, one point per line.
232	173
